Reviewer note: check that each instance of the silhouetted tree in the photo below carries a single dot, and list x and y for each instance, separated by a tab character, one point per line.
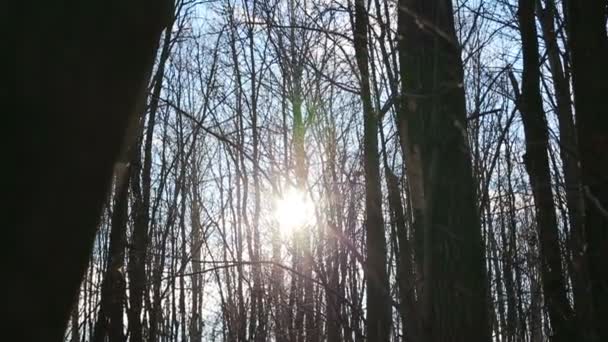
588	42
82	68
536	161
377	296
449	244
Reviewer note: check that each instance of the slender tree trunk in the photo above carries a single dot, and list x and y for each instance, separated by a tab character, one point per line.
141	206
509	253
195	250
537	165
500	295
184	257
277	278
257	323
405	274
240	315
535	320
583	300
378	299
333	304
305	316
514	247
110	317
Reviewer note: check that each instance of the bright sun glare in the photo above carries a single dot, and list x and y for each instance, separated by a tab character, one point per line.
293	210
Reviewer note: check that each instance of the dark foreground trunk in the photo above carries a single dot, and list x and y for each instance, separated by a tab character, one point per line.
454	306
589	50
81	69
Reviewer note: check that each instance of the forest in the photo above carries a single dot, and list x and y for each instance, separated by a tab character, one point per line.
328	170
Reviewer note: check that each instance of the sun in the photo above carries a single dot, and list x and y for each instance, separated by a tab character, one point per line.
293	210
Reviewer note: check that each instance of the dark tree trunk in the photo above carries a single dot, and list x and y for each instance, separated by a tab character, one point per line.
141	185
588	43
335	223
583	301
535	318
378	300
81	70
110	317
433	104
537	165
405	275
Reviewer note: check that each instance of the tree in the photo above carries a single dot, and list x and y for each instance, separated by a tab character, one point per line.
588	42
537	164
141	188
449	243
75	104
274	94
572	175
110	318
378	300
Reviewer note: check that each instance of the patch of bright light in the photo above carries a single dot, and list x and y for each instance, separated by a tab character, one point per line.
293	210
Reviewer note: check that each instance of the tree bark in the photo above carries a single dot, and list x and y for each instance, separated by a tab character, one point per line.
410	324
81	70
113	292
583	301
141	186
449	243
378	299
537	165
588	42
195	329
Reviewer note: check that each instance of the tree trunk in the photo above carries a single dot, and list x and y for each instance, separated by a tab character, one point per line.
583	301
82	68
589	52
433	103
537	165
405	275
141	185
335	224
535	324
378	299
195	249
113	292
